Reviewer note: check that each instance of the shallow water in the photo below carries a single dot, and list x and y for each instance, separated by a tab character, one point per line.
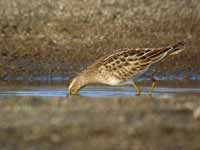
98	91
169	122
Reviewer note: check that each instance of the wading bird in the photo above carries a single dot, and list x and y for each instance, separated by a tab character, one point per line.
122	67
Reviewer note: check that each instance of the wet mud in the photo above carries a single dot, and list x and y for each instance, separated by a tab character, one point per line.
46	118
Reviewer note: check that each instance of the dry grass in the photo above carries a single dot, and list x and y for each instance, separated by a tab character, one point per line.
61	37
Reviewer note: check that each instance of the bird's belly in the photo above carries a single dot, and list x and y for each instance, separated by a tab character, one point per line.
116	81
111	81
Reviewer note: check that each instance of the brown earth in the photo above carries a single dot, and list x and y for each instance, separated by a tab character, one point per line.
48	37
137	123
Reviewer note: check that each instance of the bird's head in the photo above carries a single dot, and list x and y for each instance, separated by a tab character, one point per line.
77	83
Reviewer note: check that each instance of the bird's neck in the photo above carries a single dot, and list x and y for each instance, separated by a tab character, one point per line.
86	79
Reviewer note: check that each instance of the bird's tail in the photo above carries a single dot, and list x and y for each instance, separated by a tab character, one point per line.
158	54
177	48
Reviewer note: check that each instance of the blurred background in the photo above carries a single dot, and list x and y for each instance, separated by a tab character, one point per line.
48	38
52	40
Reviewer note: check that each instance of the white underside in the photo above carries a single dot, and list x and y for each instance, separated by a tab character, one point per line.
117	82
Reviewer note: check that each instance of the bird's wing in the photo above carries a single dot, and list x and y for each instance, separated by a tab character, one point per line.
126	63
129	62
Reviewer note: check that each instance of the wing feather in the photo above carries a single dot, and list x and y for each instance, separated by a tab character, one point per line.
129	62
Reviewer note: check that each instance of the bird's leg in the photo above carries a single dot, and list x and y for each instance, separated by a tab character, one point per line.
153	84
137	88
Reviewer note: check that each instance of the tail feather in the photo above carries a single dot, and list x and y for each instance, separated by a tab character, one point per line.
177	48
179	44
158	54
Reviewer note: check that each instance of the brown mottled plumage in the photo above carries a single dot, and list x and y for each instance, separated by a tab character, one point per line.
121	67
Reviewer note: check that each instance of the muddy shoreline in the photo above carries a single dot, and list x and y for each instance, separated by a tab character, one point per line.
114	123
159	83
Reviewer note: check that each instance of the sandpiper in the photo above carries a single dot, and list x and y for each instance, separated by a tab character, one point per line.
122	67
